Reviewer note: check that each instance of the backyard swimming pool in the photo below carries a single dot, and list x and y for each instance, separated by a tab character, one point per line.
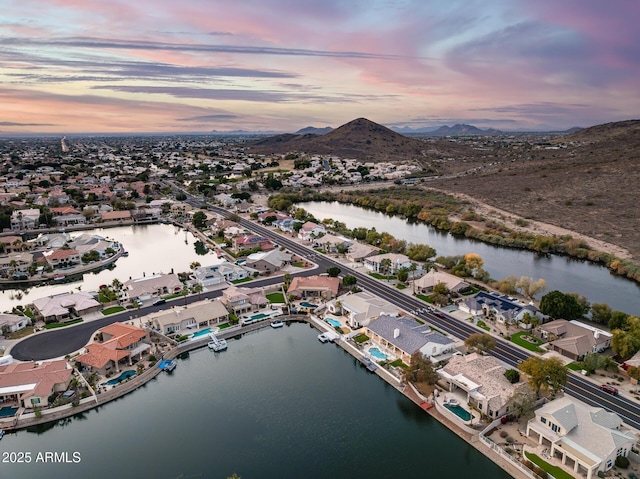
333	322
123	376
197	334
376	353
7	411
459	411
308	305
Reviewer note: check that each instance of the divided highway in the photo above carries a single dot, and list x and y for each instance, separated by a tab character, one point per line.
60	342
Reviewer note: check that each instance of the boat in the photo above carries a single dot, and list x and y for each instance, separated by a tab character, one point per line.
329	336
217	344
58	277
125	253
168	365
1	433
277	324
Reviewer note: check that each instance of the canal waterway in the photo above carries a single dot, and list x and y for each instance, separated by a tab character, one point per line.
157	248
567	275
278	403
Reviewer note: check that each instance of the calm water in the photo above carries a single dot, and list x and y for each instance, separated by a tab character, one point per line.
152	249
564	274
277	404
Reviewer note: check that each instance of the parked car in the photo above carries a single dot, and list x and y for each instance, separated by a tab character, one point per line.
609	389
159	301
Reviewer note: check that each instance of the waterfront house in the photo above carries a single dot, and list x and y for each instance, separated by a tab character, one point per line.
116	216
269	262
574	339
503	308
324	287
151	286
212	275
331	243
70	220
15	264
585	438
397	261
358	252
361	308
30	384
117	343
11	323
13	244
401	337
239	300
181	319
65	306
62	258
433	277
310	230
482	379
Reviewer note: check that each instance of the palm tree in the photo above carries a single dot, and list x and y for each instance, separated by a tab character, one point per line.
197	288
385	266
413	267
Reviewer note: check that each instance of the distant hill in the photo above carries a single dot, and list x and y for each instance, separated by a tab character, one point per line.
461	129
314	131
628	131
361	139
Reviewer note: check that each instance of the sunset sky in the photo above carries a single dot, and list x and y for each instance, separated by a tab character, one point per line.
71	66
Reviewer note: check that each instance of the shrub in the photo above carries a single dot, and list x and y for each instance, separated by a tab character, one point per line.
503	434
622	462
509	440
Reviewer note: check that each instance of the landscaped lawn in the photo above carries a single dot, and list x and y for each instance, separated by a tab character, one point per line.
483	325
531	345
244	280
401	286
112	309
424	298
575	366
555	471
224	326
19	334
298	264
62	325
276	297
361	338
381	276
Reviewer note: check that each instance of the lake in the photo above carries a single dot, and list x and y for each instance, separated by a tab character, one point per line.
561	273
152	249
277	403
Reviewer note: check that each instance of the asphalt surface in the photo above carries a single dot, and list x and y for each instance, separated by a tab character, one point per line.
60	342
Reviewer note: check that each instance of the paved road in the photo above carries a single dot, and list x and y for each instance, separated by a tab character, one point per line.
64	341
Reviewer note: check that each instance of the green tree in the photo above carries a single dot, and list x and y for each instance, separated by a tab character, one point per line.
480	342
441	288
559	305
512	375
403	275
349	280
420	370
385	266
420	252
199	219
618	320
626	342
601	313
522	404
550	374
333	271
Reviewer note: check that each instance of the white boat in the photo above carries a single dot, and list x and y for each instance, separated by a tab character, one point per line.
217	344
277	324
329	336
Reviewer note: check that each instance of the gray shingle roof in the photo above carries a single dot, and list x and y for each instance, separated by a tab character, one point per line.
408	341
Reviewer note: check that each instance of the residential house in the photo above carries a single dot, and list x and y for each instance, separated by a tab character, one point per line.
248	242
574	339
332	244
239	300
324	287
15	264
12	244
396	261
11	323
208	276
311	230
118	342
286	225
501	307
179	319
401	337
273	214
30	384
70	220
483	380
585	438
433	277
361	308
269	262
28	219
65	306
116	216
62	258
151	286
358	252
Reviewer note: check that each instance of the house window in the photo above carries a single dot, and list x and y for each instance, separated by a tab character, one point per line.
554	427
543	420
609	464
35	401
